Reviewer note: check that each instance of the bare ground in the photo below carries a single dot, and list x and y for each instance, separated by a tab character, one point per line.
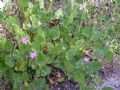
111	75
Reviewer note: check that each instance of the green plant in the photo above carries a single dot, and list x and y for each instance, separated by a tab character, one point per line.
38	37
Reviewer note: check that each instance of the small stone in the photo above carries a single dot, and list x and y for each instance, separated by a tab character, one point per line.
58	88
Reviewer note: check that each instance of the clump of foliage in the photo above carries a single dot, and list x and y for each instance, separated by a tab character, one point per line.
77	41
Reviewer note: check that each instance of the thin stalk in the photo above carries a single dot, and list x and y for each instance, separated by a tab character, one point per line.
50	6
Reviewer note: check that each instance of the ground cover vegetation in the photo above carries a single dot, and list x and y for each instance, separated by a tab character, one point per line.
43	46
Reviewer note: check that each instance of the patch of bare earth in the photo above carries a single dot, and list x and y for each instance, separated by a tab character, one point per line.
111	75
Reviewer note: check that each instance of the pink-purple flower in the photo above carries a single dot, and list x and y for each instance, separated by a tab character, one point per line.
86	58
24	40
33	54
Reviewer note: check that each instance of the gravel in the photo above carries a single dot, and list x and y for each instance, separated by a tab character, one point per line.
66	85
111	77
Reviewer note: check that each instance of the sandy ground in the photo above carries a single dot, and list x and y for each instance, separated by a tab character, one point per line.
111	75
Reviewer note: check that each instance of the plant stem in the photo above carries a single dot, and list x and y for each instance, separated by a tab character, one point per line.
50	5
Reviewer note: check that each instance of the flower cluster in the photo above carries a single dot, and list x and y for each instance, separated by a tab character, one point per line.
86	58
33	54
25	41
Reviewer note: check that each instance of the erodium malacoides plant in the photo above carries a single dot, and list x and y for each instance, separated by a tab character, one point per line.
74	40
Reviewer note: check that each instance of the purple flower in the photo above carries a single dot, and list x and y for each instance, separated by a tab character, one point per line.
24	40
86	58
32	54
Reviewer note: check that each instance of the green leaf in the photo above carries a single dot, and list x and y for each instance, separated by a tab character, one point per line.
98	44
87	32
25	76
43	71
39	84
92	67
2	43
29	9
9	61
38	40
13	20
102	52
71	53
59	13
8	45
15	88
79	1
96	35
45	17
20	65
118	1
20	32
41	4
2	67
24	3
107	18
68	65
32	64
97	79
80	42
69	20
33	19
109	56
78	76
17	79
107	88
25	49
42	60
27	88
54	33
87	87
2	15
